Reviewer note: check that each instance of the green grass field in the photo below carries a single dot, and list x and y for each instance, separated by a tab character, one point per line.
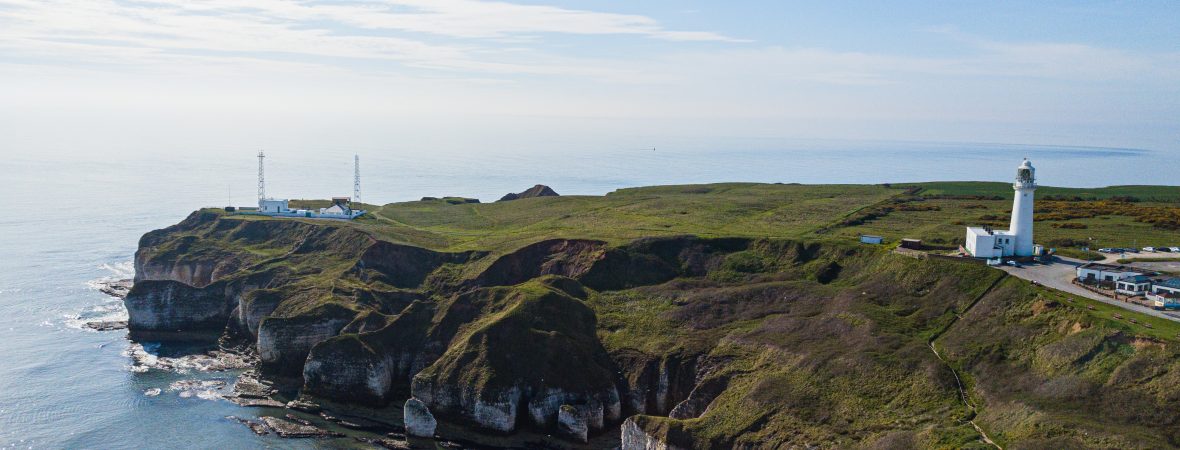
762	210
732	209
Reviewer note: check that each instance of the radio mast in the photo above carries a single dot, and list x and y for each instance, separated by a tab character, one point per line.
356	178
261	178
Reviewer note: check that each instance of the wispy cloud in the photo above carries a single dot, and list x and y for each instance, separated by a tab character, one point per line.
435	34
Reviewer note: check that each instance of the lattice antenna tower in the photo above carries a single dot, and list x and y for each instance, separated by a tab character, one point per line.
356	178
261	178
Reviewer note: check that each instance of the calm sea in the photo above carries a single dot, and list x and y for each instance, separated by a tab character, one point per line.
71	219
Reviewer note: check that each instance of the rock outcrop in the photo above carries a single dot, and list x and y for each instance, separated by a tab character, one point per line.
166	305
419	421
539	190
284	342
537	351
634	437
571	422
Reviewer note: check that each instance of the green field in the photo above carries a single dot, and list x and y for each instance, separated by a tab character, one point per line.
763	210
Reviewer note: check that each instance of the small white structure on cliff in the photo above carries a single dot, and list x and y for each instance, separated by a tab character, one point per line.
1017	240
341	206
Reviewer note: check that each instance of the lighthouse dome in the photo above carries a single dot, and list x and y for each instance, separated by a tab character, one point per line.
1026	174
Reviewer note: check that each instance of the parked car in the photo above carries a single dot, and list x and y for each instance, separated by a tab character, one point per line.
1149	249
1175	249
1013	263
1106	250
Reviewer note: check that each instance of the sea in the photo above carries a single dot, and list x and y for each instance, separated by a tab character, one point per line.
71	219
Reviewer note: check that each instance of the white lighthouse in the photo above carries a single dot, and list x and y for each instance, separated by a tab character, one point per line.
1017	240
1022	209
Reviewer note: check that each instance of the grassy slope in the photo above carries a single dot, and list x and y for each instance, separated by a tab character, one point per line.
1050	372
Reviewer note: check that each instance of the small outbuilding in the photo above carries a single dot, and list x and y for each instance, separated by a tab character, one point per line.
273	206
870	239
912	244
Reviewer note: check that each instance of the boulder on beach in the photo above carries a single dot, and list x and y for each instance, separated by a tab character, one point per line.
419	421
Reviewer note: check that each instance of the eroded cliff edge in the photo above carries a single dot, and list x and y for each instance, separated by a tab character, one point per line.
696	342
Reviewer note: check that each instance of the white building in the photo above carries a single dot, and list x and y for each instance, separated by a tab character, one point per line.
1095	272
1134	285
985	243
1165	293
273	206
1017	240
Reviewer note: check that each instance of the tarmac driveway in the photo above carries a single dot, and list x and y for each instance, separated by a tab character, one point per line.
1059	274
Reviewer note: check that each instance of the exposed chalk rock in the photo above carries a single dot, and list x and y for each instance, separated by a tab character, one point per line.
635	438
419	421
174	306
283	343
571	422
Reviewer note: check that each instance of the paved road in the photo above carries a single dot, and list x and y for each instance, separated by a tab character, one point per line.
1062	270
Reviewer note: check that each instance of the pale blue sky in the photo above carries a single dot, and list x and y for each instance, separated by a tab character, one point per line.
460	74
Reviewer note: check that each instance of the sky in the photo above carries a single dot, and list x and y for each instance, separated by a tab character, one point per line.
117	77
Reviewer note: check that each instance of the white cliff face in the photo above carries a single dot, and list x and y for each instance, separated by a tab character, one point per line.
571	422
495	411
419	421
251	310
634	438
498	412
174	306
288	341
367	380
595	408
190	272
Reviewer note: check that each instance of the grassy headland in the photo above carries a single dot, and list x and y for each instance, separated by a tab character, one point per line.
771	328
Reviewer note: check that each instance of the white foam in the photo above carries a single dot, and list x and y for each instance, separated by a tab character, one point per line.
121	270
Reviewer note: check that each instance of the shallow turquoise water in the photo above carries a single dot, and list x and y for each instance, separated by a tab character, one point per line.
72	220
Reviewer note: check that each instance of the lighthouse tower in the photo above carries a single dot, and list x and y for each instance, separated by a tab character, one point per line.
1021	228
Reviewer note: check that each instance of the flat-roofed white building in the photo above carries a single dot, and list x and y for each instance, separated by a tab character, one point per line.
273	206
1135	285
985	243
1095	272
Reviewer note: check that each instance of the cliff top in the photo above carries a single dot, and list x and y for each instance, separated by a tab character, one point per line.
934	212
